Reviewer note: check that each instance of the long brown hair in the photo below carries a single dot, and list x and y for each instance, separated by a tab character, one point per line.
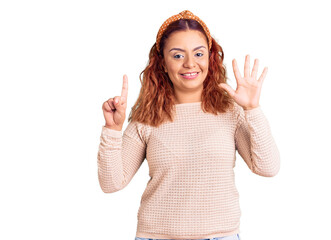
155	103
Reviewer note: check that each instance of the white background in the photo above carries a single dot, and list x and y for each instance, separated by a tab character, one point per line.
60	60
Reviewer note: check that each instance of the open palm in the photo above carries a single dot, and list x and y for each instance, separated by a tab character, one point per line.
248	89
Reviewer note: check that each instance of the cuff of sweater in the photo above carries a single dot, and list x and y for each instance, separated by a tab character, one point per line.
251	113
111	132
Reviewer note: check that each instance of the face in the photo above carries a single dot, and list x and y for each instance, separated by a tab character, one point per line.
186	62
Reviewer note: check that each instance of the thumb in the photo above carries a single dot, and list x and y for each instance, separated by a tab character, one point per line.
121	100
227	88
119	103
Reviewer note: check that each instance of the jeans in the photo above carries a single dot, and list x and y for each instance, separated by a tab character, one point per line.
232	237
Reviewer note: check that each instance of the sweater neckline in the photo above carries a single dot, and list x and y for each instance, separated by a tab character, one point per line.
187	104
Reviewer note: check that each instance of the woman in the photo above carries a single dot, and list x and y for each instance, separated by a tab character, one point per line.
188	123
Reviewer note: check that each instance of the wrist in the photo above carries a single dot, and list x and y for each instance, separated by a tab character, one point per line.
114	128
250	108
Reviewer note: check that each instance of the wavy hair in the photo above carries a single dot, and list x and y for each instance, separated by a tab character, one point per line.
156	100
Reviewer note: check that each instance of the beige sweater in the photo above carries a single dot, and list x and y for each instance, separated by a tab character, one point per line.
191	193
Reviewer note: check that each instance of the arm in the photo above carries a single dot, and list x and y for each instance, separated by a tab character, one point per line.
119	157
255	143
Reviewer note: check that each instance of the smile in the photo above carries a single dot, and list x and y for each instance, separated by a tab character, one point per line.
190	75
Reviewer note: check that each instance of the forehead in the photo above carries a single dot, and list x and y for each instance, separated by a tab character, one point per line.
186	39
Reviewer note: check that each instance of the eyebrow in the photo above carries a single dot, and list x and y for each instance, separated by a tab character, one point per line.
179	49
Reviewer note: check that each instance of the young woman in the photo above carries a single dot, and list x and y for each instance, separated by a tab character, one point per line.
188	124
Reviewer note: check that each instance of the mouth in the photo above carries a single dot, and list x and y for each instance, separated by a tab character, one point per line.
190	75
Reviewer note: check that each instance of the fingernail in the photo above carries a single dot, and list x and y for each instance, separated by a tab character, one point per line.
116	101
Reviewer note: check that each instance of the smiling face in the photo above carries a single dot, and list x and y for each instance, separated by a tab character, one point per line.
186	60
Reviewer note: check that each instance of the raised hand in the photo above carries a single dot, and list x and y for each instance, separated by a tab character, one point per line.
114	108
248	89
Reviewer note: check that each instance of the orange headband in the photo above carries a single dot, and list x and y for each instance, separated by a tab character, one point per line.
182	15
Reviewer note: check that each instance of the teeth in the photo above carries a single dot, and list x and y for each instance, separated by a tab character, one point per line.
190	74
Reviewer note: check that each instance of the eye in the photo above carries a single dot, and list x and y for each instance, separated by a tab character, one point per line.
178	56
201	54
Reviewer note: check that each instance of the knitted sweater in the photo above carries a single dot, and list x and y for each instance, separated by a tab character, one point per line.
191	193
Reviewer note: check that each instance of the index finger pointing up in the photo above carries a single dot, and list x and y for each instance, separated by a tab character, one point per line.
124	93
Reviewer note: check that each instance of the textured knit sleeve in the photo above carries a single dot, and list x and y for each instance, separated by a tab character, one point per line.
255	143
120	157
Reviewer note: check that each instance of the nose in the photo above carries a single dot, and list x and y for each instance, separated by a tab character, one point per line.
189	62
